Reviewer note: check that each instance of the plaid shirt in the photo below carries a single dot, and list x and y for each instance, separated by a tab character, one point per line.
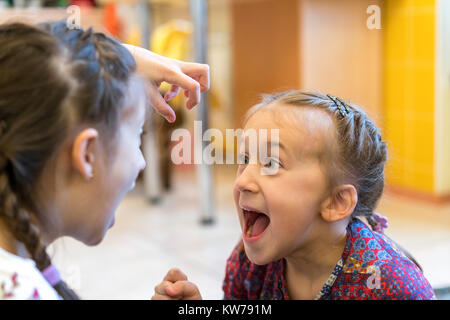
370	268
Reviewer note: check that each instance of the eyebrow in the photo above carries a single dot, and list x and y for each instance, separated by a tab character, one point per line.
276	144
272	143
279	144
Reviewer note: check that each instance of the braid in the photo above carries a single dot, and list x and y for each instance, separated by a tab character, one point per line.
371	220
19	223
364	155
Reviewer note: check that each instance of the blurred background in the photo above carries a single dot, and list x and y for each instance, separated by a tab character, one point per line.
391	57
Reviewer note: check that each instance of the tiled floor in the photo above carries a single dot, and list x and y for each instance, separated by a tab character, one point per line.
147	240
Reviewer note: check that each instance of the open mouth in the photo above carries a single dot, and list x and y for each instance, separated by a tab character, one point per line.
255	223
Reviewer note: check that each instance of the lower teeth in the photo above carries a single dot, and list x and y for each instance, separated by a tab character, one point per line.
249	231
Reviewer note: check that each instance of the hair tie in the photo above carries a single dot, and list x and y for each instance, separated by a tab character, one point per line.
382	222
51	274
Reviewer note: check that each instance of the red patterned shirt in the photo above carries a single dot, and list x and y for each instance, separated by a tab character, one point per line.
370	268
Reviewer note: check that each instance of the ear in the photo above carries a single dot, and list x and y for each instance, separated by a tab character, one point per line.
340	204
83	152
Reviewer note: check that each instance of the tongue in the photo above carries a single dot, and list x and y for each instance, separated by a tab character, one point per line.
260	225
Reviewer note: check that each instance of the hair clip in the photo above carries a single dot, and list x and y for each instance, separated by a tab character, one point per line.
342	107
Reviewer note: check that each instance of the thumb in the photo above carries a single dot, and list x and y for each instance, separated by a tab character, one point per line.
184	290
175	275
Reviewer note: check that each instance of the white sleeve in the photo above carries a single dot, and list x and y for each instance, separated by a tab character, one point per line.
15	286
20	279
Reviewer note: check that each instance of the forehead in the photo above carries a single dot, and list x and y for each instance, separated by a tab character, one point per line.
135	108
303	130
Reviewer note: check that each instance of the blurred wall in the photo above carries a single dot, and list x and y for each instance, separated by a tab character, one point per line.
265	50
442	105
340	54
321	45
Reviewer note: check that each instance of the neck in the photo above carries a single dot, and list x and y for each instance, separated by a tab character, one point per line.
312	263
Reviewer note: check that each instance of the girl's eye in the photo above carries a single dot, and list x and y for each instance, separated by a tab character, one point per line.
243	159
273	164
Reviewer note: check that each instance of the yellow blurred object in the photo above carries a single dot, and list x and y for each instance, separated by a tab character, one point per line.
409	56
134	37
172	40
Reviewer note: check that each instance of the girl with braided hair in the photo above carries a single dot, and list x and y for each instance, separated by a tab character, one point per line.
72	107
302	236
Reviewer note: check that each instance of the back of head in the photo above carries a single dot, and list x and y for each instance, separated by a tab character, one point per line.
52	80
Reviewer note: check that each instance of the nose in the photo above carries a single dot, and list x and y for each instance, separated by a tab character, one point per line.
142	163
245	180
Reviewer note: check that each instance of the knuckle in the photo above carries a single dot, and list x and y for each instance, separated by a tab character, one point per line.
174	70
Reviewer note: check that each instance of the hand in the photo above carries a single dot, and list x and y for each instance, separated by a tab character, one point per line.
193	78
175	286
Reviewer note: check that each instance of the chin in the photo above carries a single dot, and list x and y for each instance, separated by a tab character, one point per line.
94	241
259	261
258	258
94	238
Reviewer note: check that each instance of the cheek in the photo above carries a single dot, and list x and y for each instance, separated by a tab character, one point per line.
236	195
236	192
133	159
291	219
310	186
295	199
128	163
